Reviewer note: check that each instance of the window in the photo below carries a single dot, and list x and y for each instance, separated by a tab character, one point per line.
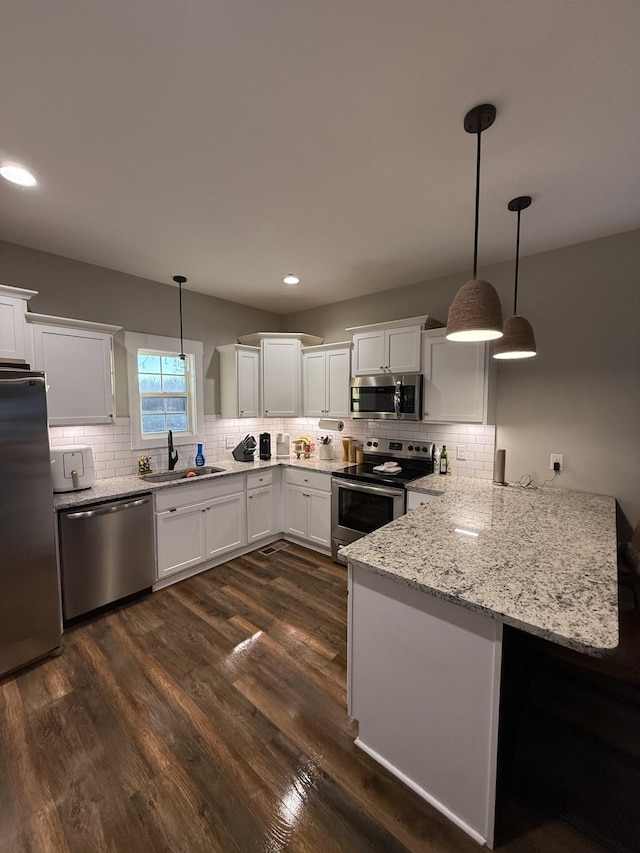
165	391
164	380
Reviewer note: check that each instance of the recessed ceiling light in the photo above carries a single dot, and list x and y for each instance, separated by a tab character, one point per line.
291	279
17	175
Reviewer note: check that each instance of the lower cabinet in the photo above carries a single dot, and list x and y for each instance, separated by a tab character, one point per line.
198	522
259	513
224	525
307	506
179	539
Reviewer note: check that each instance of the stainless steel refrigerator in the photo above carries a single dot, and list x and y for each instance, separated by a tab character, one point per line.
30	618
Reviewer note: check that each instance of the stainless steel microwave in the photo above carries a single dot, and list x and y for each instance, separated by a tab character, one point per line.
396	397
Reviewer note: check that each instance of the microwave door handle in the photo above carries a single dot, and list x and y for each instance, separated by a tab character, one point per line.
397	398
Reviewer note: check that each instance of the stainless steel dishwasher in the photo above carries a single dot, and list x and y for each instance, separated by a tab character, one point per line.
106	553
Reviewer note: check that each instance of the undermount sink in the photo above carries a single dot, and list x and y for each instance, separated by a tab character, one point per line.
170	476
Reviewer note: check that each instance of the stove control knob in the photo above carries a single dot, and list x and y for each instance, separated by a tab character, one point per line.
368	444
410	447
425	449
375	443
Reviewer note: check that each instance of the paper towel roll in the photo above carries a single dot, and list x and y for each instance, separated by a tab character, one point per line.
330	426
498	468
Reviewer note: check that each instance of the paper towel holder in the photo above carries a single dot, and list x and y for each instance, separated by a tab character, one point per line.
329	425
498	468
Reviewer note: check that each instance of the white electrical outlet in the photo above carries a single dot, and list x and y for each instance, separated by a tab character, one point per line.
557	457
230	442
461	451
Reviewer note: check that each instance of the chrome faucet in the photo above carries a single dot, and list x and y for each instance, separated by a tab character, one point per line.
173	454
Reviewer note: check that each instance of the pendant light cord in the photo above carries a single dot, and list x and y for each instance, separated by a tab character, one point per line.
515	289
475	233
180	280
182	355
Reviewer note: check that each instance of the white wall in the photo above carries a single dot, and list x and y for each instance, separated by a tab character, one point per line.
581	395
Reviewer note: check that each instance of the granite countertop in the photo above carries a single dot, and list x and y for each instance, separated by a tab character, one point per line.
123	487
543	561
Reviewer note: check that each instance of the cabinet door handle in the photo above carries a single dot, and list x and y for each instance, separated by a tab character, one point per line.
242	411
381	367
250	497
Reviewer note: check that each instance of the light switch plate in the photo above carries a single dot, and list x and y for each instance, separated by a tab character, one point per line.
461	451
230	442
557	457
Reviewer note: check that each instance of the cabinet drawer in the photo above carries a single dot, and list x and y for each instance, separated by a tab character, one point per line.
311	479
192	493
259	478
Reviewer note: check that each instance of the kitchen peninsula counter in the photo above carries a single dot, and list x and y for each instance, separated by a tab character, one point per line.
542	560
429	595
111	488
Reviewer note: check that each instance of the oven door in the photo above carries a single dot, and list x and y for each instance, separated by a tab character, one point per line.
359	508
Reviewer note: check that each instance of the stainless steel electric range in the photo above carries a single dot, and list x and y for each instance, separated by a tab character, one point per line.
367	496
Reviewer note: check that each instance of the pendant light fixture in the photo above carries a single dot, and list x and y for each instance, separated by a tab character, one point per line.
475	313
518	340
180	280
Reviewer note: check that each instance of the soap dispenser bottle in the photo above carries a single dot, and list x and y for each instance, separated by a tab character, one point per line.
200	457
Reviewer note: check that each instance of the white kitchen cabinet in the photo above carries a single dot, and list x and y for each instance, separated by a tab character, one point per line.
197	522
77	357
456	379
319	520
14	343
239	381
224	524
259	514
263	499
280	377
325	381
307	507
387	347
179	539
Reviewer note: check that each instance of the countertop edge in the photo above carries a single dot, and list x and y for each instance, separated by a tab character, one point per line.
536	630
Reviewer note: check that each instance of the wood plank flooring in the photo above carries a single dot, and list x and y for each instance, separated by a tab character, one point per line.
211	716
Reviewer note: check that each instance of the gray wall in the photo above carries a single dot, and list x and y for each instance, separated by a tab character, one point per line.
68	288
581	395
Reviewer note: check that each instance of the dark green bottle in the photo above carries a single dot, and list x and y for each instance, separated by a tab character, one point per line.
444	460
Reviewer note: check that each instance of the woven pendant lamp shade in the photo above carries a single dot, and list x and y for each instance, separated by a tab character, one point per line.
518	340
475	313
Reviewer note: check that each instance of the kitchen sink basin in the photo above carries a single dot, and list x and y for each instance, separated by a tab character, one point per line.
171	476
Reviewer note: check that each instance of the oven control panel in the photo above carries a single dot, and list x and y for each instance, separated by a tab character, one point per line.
404	448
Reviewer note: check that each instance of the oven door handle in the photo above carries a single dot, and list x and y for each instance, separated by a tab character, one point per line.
362	487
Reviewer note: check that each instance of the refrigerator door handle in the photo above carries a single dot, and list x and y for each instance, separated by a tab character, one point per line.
91	513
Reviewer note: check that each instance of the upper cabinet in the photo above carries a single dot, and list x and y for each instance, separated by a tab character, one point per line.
325	380
457	380
77	357
392	347
239	381
14	343
280	369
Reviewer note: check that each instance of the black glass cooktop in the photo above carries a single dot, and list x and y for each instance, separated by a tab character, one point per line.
364	473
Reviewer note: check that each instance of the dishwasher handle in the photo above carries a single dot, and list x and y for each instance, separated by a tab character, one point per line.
114	507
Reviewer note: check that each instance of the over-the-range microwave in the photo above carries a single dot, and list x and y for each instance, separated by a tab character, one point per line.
396	397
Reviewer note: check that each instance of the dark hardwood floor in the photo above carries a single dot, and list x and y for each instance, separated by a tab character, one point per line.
211	716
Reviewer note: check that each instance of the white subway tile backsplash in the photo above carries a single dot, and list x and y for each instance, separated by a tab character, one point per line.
114	457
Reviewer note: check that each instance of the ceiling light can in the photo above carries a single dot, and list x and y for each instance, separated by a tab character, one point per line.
290	278
17	174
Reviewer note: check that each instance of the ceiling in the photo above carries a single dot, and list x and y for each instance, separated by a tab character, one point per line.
234	141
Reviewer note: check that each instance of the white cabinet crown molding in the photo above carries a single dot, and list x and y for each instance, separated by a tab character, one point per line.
255	338
324	347
70	323
17	292
425	321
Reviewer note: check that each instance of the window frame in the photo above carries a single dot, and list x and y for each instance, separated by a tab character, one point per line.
135	341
